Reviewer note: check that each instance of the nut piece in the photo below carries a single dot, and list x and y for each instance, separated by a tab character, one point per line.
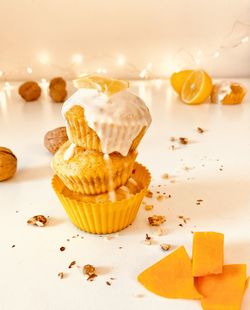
37	220
156	220
55	138
30	91
148	207
57	89
183	140
165	246
148	240
149	194
60	275
89	270
8	163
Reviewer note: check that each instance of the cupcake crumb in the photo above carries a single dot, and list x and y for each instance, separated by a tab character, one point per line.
165	176
183	140
148	207
90	271
139	295
160	197
108	283
185	219
156	220
37	220
148	240
165	246
62	248
72	264
199	130
60	275
149	194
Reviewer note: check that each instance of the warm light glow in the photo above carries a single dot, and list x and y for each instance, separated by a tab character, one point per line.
121	60
101	71
245	39
44	59
216	54
149	65
143	74
29	70
1	73
158	83
77	59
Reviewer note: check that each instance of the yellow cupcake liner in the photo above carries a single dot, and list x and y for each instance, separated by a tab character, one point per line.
104	217
98	185
80	134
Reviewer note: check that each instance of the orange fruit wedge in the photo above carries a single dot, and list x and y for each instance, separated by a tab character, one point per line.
196	88
177	79
106	85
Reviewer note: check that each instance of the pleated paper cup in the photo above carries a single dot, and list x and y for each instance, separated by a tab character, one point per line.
103	217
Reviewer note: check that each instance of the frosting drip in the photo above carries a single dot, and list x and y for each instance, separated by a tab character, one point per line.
117	119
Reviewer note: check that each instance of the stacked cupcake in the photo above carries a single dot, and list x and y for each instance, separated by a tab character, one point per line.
97	179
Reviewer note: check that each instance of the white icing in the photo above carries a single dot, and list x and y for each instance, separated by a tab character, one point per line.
117	119
69	152
224	89
111	193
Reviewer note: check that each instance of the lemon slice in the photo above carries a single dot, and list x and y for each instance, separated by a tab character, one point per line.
196	88
106	85
177	79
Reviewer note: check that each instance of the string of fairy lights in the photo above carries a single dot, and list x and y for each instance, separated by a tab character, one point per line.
238	36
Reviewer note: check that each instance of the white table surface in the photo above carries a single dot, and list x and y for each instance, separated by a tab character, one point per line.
28	272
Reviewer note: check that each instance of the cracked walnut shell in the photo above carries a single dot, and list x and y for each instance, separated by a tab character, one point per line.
8	163
55	138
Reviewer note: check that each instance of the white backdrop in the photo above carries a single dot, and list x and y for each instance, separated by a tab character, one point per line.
48	36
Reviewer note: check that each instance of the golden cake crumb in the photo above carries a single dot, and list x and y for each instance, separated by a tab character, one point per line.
165	246
148	207
156	220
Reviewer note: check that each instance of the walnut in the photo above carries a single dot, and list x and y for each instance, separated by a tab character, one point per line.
37	220
156	220
30	91
8	163
55	138
57	89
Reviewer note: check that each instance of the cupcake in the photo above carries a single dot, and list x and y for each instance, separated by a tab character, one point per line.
96	213
90	172
104	120
228	93
97	180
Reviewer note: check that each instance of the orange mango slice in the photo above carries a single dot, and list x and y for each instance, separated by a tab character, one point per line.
208	253
223	291
171	277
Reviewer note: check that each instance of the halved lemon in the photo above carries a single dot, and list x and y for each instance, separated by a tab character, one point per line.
196	88
103	84
177	79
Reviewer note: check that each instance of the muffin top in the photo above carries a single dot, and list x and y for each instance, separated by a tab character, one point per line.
89	162
122	110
